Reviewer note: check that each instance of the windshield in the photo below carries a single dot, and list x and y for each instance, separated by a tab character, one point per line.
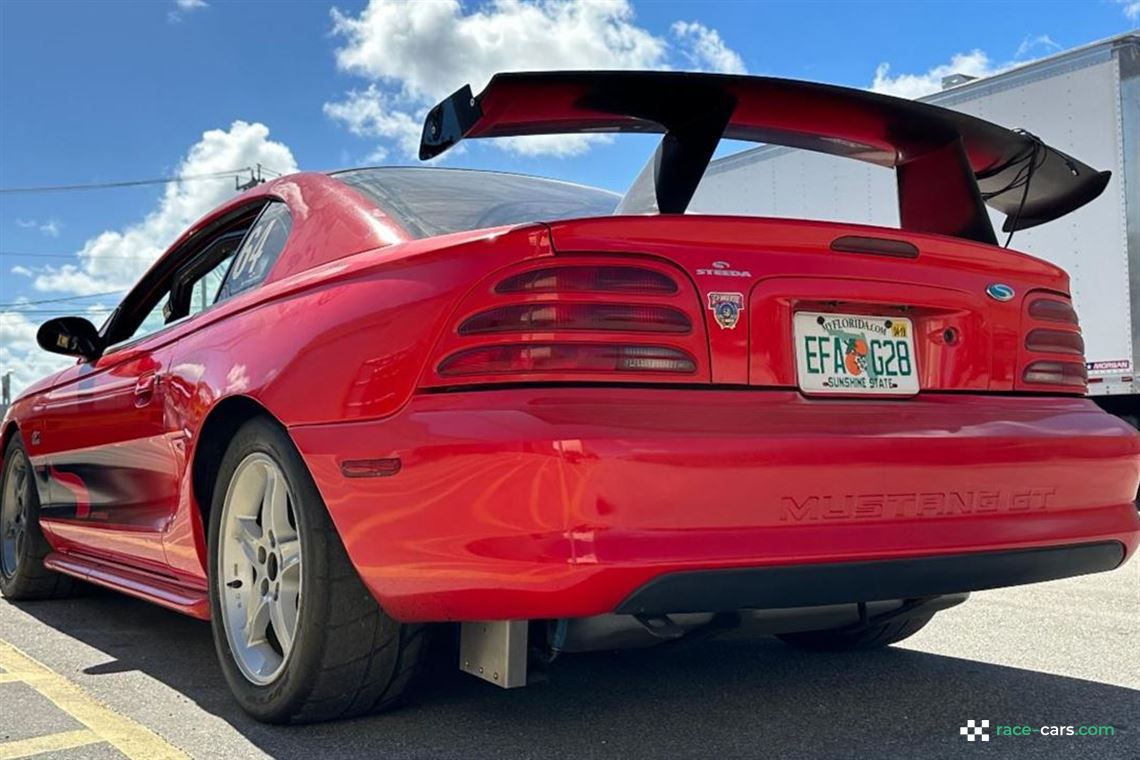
430	201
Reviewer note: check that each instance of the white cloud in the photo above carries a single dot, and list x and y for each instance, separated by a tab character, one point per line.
19	353
558	146
369	113
430	49
114	259
705	50
182	7
415	54
975	64
50	228
1131	9
1029	44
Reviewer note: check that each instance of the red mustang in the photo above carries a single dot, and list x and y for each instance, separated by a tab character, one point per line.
344	406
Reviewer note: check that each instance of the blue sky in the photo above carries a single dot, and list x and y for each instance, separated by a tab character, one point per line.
94	92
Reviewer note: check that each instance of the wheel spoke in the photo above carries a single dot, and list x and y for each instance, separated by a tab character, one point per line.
248	531
275	506
290	551
248	538
257	622
249	551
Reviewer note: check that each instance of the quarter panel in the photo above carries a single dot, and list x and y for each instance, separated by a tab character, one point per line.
345	341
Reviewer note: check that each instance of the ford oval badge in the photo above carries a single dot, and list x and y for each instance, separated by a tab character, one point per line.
999	291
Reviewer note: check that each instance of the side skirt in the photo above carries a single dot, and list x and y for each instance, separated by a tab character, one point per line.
166	592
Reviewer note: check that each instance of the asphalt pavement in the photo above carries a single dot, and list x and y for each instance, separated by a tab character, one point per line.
104	676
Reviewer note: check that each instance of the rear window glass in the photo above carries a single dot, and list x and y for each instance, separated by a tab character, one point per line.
429	201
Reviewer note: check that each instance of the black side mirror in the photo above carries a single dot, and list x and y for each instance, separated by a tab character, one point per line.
70	336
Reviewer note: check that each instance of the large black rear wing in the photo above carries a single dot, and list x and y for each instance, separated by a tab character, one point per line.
949	165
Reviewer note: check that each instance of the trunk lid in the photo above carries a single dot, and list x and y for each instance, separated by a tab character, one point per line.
753	275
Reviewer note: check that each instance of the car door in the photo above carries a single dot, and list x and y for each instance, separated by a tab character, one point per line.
103	436
107	440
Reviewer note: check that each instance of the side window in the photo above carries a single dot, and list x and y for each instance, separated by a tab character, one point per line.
260	249
206	290
202	293
195	286
155	320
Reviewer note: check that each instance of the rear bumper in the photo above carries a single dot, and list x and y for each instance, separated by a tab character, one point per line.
873	580
567	502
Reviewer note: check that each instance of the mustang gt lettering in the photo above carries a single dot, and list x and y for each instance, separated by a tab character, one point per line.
922	504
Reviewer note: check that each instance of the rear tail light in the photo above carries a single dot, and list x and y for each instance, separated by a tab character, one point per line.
566	357
545	317
1052	310
585	317
1057	373
1055	342
590	279
1054	350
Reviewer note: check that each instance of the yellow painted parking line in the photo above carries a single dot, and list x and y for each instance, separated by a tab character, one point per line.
50	743
9	677
133	739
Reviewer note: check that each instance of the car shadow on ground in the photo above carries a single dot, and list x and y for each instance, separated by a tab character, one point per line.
711	699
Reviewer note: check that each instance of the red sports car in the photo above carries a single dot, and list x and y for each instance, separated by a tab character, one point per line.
345	406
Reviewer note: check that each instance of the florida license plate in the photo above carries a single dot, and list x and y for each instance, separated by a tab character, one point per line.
853	353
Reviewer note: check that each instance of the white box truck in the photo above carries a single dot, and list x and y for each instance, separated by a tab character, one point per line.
1085	102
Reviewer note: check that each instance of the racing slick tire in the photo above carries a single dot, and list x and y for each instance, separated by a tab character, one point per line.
23	547
859	639
299	637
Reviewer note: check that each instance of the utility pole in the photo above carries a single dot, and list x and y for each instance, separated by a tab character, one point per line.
6	389
254	180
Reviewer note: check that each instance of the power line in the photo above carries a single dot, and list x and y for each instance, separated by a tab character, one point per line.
62	299
124	183
16	309
72	255
12	314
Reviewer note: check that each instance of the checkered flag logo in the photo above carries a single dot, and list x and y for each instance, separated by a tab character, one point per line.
974	730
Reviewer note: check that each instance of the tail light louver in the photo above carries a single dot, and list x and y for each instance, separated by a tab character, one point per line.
590	279
589	319
1045	341
1054	347
1052	310
566	357
543	317
1056	373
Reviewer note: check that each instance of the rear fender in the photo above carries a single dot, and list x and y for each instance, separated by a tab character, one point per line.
344	341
